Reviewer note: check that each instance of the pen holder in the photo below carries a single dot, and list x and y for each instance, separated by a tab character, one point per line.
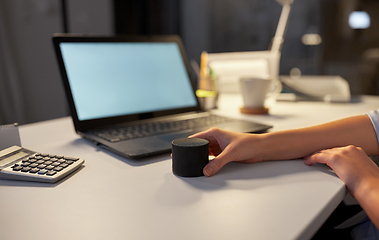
207	99
189	156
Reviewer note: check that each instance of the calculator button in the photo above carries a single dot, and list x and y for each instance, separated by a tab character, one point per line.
49	167
43	171
40	161
17	168
25	169
55	164
61	161
44	154
64	165
58	168
46	158
48	162
33	165
51	173
25	160
59	156
41	166
53	159
34	170
71	158
52	155
38	157
32	160
25	164
69	162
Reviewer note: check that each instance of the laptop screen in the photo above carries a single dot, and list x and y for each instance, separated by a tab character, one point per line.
110	79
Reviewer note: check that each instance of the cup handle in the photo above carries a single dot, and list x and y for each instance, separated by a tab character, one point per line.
278	89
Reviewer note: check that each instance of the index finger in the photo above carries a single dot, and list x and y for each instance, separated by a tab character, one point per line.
211	133
213	136
203	134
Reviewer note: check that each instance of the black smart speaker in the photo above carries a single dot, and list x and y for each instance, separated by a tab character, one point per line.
189	156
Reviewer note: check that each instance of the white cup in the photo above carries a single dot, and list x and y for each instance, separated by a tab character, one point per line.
256	90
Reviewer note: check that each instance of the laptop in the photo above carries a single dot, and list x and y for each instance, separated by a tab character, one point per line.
133	95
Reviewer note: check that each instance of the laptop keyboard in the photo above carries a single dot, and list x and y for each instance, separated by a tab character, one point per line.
155	128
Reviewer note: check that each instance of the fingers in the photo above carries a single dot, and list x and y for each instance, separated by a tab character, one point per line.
327	156
322	156
214	137
316	157
208	134
217	142
222	145
216	164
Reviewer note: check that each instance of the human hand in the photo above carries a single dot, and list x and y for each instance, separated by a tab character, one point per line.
227	147
350	163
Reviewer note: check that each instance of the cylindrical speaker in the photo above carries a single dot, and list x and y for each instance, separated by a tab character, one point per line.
189	156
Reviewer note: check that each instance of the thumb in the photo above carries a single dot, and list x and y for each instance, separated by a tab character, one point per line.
216	164
307	161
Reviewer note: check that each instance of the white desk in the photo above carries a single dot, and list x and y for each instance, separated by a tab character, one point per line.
117	198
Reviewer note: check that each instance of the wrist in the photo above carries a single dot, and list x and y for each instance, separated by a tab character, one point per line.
367	194
363	188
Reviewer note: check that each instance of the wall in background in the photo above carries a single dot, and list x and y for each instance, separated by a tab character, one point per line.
30	85
31	88
196	27
29	77
351	53
249	25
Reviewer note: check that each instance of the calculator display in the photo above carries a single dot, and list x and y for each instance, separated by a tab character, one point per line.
8	159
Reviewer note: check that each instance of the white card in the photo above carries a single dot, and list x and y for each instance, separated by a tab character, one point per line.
9	136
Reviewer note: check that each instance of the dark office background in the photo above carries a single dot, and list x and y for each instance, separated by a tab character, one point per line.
30	82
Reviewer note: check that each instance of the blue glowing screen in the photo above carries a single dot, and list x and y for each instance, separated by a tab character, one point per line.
115	79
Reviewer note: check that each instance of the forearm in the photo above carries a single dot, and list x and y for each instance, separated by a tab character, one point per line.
368	197
297	143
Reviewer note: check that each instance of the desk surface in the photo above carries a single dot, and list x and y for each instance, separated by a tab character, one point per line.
117	198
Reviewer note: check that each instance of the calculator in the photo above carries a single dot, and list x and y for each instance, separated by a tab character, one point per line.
17	163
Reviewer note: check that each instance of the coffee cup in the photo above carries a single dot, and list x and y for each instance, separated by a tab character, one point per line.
255	91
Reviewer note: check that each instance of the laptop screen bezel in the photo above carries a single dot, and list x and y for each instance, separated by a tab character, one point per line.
85	125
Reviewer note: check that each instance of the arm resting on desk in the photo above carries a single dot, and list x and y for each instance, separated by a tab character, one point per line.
289	144
297	143
357	171
343	145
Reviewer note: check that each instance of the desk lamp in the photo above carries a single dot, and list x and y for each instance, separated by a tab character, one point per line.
229	67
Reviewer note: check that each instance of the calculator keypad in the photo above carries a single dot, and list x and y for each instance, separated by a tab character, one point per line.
44	164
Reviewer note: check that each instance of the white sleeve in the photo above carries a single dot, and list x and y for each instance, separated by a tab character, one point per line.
374	116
